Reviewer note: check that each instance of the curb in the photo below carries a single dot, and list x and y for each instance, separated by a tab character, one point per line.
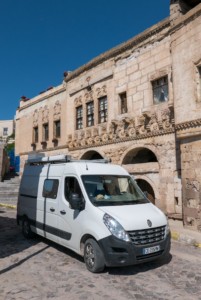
8	205
184	238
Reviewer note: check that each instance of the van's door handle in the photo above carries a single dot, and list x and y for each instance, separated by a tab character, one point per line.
52	209
62	212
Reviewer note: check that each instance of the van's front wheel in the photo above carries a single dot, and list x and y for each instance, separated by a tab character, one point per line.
93	256
26	228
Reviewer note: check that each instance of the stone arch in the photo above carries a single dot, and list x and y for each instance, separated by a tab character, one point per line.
139	154
91	154
142	162
143	180
135	149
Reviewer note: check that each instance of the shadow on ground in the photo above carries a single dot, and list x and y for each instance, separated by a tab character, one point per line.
12	241
11	238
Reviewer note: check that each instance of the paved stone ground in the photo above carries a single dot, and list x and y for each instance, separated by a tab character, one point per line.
38	269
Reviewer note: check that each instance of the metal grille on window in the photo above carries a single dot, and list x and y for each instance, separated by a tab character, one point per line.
160	90
90	114
79	117
103	110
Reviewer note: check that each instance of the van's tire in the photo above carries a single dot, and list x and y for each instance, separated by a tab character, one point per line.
93	256
26	229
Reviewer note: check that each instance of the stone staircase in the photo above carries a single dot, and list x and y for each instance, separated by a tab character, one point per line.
9	190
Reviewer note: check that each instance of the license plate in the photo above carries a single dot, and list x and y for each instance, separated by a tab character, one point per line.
151	250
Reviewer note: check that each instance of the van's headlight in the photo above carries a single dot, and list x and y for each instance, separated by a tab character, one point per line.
115	228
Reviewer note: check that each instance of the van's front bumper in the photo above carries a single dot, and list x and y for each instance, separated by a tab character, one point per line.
121	253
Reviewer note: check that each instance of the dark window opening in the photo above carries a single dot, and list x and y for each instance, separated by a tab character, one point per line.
140	156
144	156
35	134
57	129
45	132
123	103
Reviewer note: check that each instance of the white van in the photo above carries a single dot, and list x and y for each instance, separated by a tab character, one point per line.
94	208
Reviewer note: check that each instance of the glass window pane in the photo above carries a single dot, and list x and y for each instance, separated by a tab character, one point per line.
102	109
50	188
90	113
160	90
79	117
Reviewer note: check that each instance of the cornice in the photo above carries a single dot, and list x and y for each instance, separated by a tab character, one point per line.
127	139
133	42
117	141
187	125
149	124
184	20
42	98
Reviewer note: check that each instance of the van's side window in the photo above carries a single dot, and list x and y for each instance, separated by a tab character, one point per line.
72	187
50	188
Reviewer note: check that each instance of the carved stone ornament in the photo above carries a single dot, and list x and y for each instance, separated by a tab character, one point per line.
100	92
45	114
153	123
35	117
78	101
57	111
165	118
88	96
144	126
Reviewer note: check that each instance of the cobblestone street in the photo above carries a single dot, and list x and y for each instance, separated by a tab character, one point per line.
39	269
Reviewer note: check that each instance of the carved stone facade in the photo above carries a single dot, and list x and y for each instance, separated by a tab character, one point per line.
148	124
143	101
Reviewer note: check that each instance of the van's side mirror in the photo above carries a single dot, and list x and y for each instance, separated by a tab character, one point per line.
76	201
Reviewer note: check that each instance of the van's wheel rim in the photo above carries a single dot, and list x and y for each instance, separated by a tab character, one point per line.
90	258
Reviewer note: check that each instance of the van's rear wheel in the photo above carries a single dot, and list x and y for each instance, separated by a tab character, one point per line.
93	256
26	228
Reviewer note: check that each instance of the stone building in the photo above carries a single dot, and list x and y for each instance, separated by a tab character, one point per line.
6	129
138	104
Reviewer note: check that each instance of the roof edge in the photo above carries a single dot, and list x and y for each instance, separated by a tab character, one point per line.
119	49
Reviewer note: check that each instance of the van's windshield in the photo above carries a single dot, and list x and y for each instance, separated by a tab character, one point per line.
109	190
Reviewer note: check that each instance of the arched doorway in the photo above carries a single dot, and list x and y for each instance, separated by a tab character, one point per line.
146	188
142	162
90	155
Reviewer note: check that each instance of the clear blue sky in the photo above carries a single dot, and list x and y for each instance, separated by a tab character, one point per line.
40	39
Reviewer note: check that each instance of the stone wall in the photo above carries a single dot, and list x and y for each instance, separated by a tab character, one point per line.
186	61
191	181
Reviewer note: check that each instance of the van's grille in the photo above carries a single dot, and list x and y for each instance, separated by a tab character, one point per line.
147	236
